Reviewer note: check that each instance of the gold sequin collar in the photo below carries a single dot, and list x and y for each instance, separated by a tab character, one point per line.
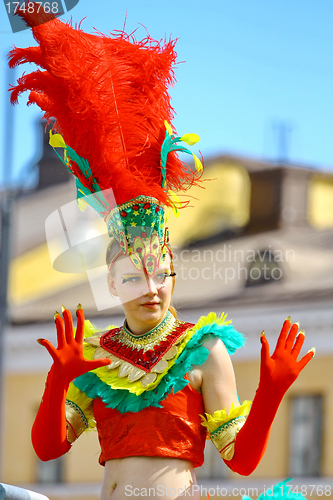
150	339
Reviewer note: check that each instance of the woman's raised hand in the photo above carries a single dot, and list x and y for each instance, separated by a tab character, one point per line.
68	358
277	373
280	370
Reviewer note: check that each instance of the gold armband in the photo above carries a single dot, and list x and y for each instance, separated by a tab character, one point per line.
223	428
76	421
225	436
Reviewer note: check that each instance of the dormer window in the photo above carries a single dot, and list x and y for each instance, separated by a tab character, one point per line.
263	269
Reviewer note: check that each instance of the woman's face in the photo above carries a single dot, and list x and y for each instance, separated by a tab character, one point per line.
145	299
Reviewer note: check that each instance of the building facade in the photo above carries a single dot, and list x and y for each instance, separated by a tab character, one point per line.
258	247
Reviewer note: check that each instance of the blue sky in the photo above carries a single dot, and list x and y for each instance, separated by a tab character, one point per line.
248	66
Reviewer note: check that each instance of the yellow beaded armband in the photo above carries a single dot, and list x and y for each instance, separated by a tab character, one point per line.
223	428
79	413
76	421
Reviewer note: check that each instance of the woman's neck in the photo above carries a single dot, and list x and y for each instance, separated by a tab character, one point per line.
139	330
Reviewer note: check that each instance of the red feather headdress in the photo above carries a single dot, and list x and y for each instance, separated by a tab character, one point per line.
109	96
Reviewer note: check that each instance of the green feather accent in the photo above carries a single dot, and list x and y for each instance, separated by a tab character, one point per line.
193	354
82	163
170	144
94	197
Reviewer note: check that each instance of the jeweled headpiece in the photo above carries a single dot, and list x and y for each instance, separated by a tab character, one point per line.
109	97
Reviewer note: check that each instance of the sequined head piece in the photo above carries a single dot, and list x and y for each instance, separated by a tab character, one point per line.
139	228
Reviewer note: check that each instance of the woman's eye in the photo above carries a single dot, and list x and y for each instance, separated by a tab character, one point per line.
161	277
131	279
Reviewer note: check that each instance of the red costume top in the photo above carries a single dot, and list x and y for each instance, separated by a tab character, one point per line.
142	404
174	430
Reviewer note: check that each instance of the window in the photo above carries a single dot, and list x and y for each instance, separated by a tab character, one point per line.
213	467
51	471
306	435
264	268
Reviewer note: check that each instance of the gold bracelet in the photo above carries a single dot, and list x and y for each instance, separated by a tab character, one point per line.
225	436
223	427
76	420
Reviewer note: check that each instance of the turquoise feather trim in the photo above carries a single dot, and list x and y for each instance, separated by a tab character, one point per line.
280	491
193	354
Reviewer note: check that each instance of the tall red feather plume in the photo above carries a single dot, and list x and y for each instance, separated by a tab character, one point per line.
109	97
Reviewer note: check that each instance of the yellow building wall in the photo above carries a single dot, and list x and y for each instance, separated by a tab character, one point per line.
316	378
221	202
23	393
22	396
82	460
320	201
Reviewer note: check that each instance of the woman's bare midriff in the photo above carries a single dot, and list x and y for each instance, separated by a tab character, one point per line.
149	477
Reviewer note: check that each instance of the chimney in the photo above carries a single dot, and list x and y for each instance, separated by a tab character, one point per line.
279	198
51	169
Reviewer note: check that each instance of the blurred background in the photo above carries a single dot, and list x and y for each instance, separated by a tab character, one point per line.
254	81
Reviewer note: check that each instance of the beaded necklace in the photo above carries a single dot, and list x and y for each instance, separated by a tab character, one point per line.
141	357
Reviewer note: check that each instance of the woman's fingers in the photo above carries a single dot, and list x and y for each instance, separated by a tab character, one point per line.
51	350
304	361
265	356
283	334
80	325
97	363
69	330
60	330
291	337
298	344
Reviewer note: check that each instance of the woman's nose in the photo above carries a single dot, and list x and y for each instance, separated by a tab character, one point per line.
150	286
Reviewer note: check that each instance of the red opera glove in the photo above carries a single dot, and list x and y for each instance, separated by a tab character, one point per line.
49	431
277	373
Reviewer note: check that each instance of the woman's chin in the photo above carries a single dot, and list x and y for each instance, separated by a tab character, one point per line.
152	316
155	314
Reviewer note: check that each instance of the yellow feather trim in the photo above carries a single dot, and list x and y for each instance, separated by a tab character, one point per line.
76	395
56	141
190	139
176	204
84	403
212	317
197	163
220	417
111	378
168	127
90	329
